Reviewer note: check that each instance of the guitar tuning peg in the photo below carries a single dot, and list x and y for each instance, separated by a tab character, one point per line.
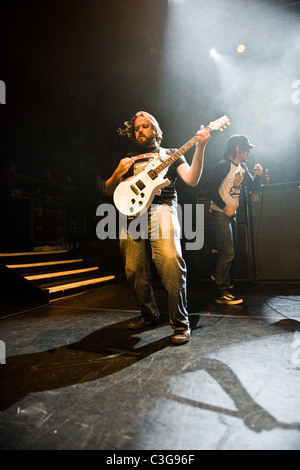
221	130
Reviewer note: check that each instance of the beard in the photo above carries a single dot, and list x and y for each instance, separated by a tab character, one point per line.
146	142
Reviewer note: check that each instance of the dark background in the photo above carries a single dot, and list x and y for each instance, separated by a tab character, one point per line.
76	70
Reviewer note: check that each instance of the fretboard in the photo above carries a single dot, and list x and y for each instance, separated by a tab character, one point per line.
172	158
216	125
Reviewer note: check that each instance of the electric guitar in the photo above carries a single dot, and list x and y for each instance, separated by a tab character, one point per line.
134	196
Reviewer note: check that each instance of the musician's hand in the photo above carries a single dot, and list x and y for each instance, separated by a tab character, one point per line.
229	211
258	169
124	166
203	137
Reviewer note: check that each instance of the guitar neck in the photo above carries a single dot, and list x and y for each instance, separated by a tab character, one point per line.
172	158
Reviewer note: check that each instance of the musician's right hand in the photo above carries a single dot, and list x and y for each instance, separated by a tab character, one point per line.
124	166
229	211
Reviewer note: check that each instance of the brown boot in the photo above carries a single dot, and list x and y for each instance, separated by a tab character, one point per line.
181	336
141	323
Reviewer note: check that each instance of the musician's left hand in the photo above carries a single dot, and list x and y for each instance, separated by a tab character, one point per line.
203	137
190	174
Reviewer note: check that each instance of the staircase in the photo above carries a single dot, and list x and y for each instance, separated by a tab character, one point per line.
52	275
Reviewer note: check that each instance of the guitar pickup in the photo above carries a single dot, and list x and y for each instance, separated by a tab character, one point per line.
152	174
140	185
133	188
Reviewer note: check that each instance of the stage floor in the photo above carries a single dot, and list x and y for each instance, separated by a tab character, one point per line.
76	378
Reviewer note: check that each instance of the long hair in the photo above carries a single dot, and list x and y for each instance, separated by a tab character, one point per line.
128	130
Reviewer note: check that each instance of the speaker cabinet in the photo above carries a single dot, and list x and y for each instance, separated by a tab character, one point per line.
275	231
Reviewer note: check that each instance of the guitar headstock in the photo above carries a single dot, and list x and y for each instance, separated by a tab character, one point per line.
220	124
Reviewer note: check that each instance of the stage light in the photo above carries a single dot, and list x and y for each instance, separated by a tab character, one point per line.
241	48
213	53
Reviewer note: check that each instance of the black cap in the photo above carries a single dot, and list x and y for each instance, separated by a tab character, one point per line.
239	140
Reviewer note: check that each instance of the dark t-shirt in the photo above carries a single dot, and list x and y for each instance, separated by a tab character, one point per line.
167	194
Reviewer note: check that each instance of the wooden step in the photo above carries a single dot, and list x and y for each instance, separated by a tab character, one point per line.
76	285
26	269
37	277
44	264
31	253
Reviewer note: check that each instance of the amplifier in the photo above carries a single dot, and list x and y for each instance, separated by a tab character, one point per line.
275	231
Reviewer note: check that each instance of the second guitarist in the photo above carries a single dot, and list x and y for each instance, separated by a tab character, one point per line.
144	130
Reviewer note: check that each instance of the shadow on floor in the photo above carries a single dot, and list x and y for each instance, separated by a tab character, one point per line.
101	353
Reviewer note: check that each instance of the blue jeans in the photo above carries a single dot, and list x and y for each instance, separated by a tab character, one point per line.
162	242
225	233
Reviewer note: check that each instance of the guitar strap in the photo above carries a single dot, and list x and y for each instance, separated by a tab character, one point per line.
162	152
